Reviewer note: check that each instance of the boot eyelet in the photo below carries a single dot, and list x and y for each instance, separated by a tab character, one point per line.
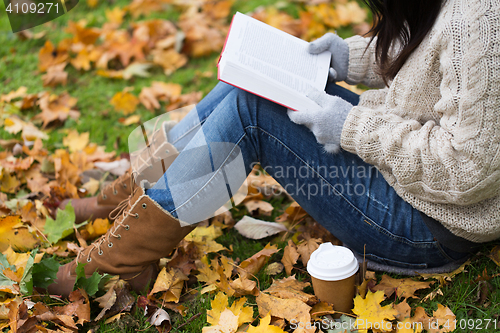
89	259
100	252
104	196
144	205
110	244
115	192
124	185
127	227
136	215
119	236
167	151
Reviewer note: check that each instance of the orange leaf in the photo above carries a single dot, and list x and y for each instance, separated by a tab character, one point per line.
125	102
253	265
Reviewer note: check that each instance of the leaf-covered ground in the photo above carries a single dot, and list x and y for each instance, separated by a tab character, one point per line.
72	91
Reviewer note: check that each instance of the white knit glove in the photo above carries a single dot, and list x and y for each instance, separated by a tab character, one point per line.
340	54
326	121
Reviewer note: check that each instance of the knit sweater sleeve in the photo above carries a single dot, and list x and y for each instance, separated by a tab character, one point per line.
362	65
454	158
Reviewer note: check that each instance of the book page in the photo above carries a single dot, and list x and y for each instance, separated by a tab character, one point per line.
277	55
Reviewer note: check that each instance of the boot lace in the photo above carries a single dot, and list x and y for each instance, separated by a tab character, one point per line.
112	185
119	213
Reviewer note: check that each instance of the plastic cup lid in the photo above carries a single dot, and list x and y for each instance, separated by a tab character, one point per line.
332	263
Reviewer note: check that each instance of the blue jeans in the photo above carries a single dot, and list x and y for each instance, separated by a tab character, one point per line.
347	196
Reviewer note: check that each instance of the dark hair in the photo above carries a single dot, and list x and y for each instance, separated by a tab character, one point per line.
403	21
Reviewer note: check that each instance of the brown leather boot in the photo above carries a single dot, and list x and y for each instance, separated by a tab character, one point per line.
142	234
148	163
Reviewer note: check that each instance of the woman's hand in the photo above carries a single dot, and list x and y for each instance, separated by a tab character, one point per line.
326	121
340	54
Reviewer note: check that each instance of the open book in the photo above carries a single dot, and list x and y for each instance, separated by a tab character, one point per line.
270	63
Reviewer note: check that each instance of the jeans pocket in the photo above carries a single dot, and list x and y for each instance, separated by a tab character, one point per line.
451	255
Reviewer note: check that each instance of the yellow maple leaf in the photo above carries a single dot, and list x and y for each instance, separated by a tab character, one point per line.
204	237
76	141
125	102
171	283
371	314
92	3
115	15
238	308
264	326
14	233
82	60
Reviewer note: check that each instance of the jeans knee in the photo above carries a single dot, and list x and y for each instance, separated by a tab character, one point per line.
246	105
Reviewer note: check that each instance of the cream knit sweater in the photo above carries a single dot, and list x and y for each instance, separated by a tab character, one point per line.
434	134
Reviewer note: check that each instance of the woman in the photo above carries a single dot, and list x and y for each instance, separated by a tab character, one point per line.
415	184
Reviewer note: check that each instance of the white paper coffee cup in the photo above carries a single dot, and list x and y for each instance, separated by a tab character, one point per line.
333	271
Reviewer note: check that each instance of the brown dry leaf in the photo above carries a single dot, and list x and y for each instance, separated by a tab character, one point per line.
350	13
170	283
253	265
293	310
92	186
403	310
289	288
206	273
82	60
94	229
150	96
15	234
443	278
279	20
321	309
404	288
156	33
306	248
203	35
243	286
184	100
50	56
443	320
184	257
81	34
10	183
495	255
218	9
96	153
169	60
14	94
135	119
274	268
56	108
259	207
370	312
106	301
65	170
55	76
290	256
76	141
144	7
125	102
